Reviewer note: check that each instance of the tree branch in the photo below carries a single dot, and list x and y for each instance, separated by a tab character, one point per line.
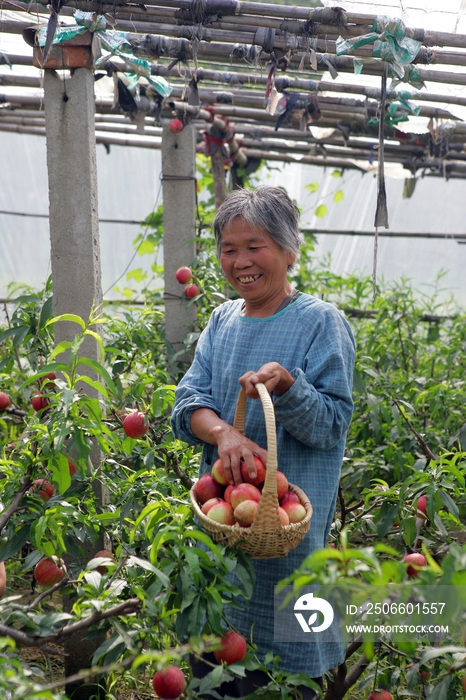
5	309
342	506
15	503
129	606
356	672
424	446
173	462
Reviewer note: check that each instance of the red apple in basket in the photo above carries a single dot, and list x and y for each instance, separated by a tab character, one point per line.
260	472
245	512
295	511
218	472
289	497
211	502
222	513
282	484
207	488
227	494
244	492
284	518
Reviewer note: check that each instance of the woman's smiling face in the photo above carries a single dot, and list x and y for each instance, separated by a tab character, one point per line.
255	265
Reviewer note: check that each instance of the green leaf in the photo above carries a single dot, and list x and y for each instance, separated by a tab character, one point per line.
45	312
61	472
10	547
338	196
312	187
144	564
192	561
202	537
321	211
100	370
61	347
409	530
441	689
98	386
98	339
67	317
449	503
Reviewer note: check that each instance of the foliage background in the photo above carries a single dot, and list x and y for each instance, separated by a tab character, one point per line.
408	437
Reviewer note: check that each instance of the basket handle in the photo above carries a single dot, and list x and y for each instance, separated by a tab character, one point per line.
270	484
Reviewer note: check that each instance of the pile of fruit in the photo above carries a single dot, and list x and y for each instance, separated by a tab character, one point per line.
237	505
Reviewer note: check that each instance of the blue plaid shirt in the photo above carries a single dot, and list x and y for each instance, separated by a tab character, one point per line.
314	342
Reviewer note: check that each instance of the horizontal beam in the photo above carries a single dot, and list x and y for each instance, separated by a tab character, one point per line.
386	234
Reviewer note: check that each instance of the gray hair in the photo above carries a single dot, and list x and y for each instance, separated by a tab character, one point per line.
269	208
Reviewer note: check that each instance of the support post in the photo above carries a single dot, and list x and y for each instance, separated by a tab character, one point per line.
75	255
179	225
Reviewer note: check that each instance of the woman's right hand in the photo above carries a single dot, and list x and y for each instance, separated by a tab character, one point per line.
233	448
232	445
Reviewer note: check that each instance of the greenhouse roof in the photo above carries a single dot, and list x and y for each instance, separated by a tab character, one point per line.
281	82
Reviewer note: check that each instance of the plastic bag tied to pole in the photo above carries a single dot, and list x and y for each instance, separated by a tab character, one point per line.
116	43
389	44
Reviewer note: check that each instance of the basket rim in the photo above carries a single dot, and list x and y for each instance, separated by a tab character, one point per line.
220	527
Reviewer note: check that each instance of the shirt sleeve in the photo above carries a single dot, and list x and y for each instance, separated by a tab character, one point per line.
317	408
195	389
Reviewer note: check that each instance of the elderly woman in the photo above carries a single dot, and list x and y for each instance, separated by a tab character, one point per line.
302	350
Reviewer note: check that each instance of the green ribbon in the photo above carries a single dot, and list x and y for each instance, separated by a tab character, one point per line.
113	41
390	45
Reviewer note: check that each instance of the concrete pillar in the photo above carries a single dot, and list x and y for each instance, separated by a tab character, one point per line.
75	255
74	216
179	224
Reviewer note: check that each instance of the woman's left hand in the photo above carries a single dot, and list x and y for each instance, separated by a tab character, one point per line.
275	378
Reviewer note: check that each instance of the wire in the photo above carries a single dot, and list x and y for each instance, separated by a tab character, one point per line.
140	244
46	216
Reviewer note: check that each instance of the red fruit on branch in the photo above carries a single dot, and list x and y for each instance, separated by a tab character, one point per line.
48	378
72	467
176	125
233	648
169	684
49	571
4	400
424	675
380	695
183	275
39	401
102	569
414	561
422	507
135	425
44	488
191	291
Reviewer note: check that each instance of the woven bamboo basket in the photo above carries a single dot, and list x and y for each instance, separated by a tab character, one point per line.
267	538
